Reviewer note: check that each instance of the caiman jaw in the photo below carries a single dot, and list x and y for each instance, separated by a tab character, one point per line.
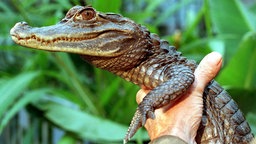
76	33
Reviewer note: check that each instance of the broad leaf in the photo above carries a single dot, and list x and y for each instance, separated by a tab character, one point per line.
241	71
83	124
229	17
13	88
21	103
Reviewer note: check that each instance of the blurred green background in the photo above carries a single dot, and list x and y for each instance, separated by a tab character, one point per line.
58	98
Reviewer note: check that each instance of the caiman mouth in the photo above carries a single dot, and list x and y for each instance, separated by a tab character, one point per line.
50	40
64	38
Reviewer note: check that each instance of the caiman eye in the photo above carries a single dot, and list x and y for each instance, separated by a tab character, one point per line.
86	14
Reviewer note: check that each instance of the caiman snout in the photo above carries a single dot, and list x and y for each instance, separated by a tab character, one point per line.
16	33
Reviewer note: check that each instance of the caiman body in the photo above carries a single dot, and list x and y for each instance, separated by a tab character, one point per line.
117	44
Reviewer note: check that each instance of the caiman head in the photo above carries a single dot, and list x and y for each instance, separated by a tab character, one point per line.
85	31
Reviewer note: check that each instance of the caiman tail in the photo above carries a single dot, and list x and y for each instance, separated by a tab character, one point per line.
222	121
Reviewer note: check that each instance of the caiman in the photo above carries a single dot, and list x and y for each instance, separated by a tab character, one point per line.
117	44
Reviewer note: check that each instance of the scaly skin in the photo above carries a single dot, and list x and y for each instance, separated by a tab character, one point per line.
119	45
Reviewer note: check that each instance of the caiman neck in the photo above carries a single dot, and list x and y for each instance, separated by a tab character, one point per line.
131	58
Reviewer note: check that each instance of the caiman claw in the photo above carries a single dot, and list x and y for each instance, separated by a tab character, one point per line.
146	112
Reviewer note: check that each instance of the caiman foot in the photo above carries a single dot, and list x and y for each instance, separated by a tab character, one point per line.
139	119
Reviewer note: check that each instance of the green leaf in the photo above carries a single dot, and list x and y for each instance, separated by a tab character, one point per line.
71	77
83	124
230	17
30	133
171	10
109	92
20	103
107	6
67	139
13	88
241	71
251	118
245	99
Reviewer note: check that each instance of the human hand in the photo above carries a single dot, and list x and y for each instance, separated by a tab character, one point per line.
183	117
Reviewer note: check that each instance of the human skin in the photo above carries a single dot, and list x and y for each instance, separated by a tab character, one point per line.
182	118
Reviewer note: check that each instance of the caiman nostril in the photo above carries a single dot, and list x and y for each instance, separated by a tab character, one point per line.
24	23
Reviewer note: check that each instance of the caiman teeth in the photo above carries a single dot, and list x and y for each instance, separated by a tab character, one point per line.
57	39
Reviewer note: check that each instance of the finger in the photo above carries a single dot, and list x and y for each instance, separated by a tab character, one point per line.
140	95
207	69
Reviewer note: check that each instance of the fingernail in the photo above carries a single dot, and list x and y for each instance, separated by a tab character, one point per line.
215	58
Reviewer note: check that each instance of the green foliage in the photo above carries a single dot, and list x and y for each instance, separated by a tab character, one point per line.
236	21
85	125
10	91
88	103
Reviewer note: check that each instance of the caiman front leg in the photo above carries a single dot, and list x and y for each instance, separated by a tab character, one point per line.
179	81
